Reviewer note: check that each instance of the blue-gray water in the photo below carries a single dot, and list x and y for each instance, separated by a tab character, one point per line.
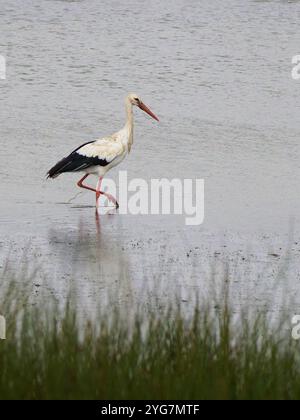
218	74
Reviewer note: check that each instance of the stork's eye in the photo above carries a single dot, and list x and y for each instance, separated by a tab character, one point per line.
137	99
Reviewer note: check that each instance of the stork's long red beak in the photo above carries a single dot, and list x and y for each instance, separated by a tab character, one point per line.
148	111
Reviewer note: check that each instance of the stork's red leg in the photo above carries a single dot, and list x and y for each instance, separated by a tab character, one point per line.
80	184
111	198
108	196
98	192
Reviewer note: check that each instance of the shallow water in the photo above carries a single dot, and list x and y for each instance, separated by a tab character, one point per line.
218	74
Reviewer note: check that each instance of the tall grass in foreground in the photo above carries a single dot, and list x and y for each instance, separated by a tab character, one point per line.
208	353
209	356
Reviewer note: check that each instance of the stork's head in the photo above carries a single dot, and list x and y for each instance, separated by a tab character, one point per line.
136	101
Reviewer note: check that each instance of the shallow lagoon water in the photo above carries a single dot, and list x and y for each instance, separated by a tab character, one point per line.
218	74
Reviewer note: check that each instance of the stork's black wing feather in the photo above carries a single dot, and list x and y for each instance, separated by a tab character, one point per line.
75	162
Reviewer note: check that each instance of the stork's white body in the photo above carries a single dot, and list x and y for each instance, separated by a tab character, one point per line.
113	149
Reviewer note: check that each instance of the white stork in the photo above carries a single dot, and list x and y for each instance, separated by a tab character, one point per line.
98	157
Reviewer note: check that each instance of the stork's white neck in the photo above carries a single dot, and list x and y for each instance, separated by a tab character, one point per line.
129	123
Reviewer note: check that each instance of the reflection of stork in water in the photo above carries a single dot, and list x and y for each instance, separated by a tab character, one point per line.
98	157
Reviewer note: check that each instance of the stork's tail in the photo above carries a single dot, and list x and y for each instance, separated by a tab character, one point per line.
57	169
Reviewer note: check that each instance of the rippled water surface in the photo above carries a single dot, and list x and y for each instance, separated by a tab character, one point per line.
218	74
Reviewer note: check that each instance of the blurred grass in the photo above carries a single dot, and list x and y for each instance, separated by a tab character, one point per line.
51	354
